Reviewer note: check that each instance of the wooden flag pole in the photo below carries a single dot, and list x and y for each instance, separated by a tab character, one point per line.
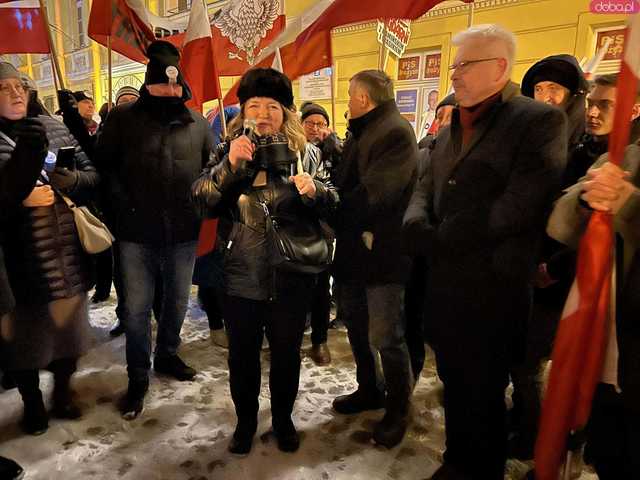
223	118
109	76
471	12
57	73
334	79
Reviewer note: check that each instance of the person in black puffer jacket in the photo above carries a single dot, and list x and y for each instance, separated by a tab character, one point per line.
47	268
260	297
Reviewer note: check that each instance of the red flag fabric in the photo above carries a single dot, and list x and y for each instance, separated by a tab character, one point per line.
198	62
344	12
579	347
130	35
207	237
22	28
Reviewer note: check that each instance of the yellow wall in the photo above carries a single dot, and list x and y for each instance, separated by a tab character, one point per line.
542	28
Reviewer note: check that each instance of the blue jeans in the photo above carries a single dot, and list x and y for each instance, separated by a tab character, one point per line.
142	265
375	324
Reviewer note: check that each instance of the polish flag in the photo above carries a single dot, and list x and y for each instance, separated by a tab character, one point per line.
198	63
579	348
22	28
126	23
305	45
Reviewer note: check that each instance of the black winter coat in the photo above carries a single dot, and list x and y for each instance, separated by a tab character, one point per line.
150	152
242	227
478	215
43	255
375	180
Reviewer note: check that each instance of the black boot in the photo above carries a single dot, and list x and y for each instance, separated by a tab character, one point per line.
117	330
286	435
173	366
63	404
242	439
35	420
10	470
390	431
132	403
357	402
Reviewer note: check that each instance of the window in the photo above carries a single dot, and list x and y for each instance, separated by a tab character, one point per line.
81	35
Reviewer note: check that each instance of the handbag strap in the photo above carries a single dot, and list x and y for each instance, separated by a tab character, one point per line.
7	139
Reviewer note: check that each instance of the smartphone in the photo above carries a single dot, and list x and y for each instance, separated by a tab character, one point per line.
66	158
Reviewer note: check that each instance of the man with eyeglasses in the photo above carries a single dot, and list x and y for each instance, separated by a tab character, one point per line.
315	121
477	215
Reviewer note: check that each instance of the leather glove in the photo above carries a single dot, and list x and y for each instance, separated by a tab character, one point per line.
64	179
30	134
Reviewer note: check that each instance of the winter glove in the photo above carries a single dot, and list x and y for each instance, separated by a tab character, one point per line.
31	135
64	179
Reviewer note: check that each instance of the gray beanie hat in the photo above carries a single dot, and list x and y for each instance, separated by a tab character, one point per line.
7	70
126	90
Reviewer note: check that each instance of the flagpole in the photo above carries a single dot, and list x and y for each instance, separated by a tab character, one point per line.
471	12
334	78
109	75
53	56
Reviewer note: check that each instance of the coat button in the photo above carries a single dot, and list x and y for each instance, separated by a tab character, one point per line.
452	182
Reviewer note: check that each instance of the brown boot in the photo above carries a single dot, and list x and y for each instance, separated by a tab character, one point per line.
320	354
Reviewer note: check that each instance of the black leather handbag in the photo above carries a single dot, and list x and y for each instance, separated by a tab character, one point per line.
294	245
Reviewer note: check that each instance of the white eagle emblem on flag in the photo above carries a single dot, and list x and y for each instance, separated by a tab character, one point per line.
245	23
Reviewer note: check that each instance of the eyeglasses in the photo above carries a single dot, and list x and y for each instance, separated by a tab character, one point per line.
465	64
7	88
602	105
315	124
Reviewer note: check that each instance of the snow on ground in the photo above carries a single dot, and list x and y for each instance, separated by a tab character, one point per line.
185	428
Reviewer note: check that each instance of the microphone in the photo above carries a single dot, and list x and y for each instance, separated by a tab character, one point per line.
249	130
172	74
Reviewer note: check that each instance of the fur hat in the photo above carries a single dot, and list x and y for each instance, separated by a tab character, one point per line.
561	69
310	108
265	82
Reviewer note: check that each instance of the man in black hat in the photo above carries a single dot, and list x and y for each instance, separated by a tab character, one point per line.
151	151
315	121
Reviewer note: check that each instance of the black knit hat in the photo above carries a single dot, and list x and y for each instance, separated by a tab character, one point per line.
561	69
448	100
265	82
81	95
310	108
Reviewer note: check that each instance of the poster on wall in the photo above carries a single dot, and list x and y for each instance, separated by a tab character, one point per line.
616	47
409	68
316	85
432	66
407	101
430	99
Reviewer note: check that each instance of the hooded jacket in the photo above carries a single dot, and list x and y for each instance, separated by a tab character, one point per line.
575	107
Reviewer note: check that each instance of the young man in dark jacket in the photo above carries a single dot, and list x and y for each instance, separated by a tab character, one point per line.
477	215
612	432
375	179
151	151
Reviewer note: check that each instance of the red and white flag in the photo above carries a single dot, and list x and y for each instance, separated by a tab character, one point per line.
579	347
22	28
197	63
126	23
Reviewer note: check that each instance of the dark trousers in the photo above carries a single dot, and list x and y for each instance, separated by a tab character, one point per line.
320	309
375	323
613	436
104	272
474	408
211	299
142	266
283	321
414	309
117	280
